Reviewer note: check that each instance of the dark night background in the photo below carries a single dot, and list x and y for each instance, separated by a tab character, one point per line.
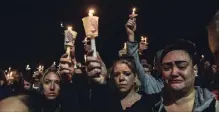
30	29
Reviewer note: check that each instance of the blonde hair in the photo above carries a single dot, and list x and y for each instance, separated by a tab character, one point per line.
132	66
47	71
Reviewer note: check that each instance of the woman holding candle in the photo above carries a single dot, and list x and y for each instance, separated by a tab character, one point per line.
119	93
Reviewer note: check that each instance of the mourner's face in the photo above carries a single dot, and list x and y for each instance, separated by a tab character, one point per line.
27	85
177	70
147	70
123	77
51	86
214	68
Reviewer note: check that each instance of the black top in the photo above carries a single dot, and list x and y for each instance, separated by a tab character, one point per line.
105	99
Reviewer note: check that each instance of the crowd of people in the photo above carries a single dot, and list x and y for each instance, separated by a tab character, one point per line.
178	81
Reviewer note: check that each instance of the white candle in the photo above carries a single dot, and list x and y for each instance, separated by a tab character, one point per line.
68	52
70	36
39	68
85	58
125	46
28	67
93	45
85	40
133	11
142	38
203	56
42	68
145	40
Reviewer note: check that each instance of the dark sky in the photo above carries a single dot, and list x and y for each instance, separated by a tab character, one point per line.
30	29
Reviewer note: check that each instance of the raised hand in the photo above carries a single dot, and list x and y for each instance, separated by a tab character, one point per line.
66	68
131	28
95	68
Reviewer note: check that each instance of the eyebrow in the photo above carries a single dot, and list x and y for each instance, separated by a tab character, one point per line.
176	62
50	80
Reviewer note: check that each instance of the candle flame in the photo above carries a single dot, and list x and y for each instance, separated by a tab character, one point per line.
133	10
70	28
125	45
142	38
91	12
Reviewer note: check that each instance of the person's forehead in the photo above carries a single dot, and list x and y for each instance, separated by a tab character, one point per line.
121	67
176	55
25	81
52	76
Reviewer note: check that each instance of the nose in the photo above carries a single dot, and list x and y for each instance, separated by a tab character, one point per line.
52	86
174	71
121	77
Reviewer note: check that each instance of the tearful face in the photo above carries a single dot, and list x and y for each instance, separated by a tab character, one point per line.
177	70
123	77
51	86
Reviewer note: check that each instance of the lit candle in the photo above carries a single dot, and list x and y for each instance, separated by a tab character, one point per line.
39	68
61	24
42	68
85	40
125	46
10	75
133	14
133	11
142	38
54	63
85	58
28	67
90	24
145	40
69	28
91	11
70	37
